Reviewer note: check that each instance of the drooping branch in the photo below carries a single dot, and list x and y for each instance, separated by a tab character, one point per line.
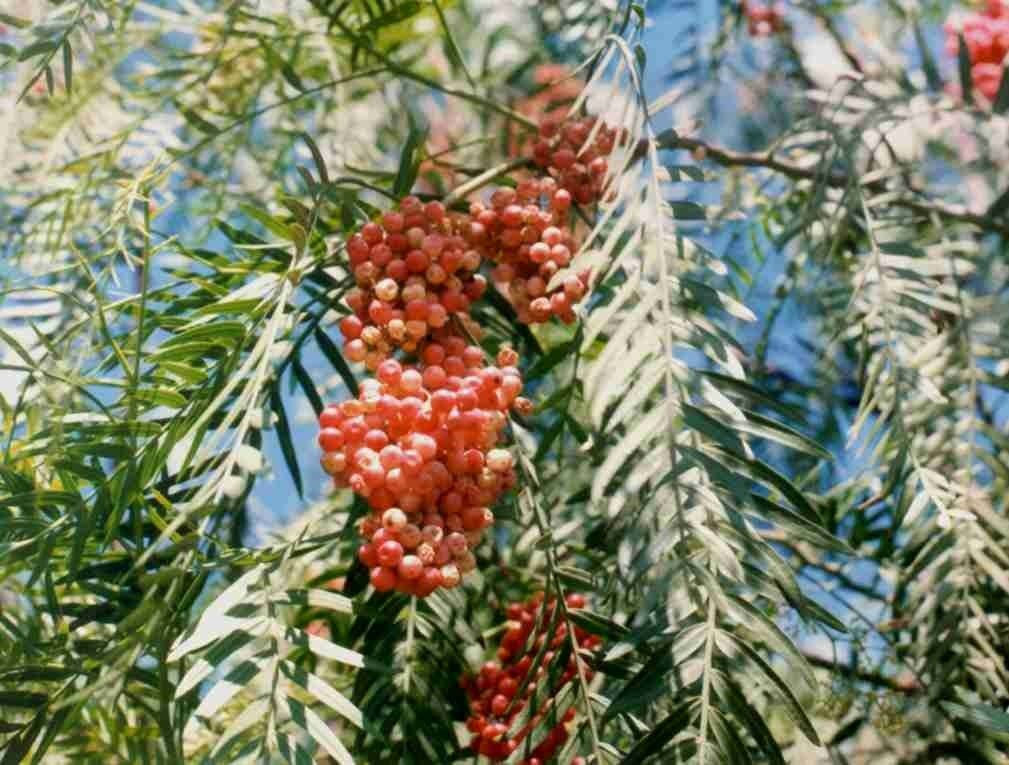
766	159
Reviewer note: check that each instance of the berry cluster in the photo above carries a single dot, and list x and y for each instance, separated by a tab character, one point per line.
574	153
504	687
420	442
414	269
557	87
417	266
529	245
764	20
421	447
986	35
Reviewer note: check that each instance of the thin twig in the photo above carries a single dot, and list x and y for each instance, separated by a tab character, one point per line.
903	683
732	158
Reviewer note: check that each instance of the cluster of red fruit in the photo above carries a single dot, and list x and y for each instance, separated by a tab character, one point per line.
414	268
417	267
503	688
763	20
531	243
986	35
420	445
574	153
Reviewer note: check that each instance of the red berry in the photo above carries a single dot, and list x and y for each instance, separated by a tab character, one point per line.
330	439
367	555
350	327
383	579
499	704
390	553
410	567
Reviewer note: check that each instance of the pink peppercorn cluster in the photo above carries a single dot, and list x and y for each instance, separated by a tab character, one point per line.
414	268
420	442
763	19
421	446
986	35
573	152
497	696
530	243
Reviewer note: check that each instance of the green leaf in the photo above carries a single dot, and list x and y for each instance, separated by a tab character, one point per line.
455	54
324	692
320	163
17	748
80	469
197	121
798	526
704	423
1001	104
37	674
964	67
43	498
766	475
772	430
308	385
746	390
999	207
552	358
755	620
647	685
597	624
927	59
331	352
213	333
15	21
728	740
306	176
40	47
161	397
291	76
286	440
68	65
409	163
22	699
641	57
397	13
243	307
738	705
52	730
691	172
792	706
992	721
271	224
659	736
688	211
299	237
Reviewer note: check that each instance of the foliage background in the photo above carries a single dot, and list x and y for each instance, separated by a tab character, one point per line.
171	279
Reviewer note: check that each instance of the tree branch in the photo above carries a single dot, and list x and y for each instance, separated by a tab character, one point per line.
730	158
903	683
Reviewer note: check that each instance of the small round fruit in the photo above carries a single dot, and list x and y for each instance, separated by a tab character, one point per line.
390	553
383	579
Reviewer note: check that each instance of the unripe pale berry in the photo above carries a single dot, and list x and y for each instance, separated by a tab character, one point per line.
394	519
450	575
457	543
